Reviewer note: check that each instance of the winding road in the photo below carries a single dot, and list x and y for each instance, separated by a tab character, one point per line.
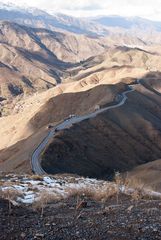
35	159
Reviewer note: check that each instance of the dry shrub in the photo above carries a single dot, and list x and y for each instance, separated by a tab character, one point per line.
45	198
105	193
119	182
37	177
10	195
135	183
136	187
80	192
1	183
7	184
97	194
133	187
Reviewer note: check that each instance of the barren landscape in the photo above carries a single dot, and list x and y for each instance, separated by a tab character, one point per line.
116	221
80	121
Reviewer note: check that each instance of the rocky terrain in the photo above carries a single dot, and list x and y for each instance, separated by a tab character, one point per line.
91	209
128	220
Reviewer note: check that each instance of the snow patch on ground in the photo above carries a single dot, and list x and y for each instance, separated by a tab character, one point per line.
31	190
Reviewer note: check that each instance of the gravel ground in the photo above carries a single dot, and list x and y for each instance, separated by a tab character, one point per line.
74	219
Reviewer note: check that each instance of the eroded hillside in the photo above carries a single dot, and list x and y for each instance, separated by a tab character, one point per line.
116	140
37	59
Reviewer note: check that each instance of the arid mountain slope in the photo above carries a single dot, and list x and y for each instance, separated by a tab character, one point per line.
147	174
21	133
37	18
67	47
79	103
115	65
37	59
146	30
119	59
26	65
116	140
134	31
42	68
33	59
15	127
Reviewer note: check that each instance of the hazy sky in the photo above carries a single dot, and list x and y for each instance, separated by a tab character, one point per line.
144	8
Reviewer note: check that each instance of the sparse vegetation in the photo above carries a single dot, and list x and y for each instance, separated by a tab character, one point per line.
37	177
10	195
84	201
44	199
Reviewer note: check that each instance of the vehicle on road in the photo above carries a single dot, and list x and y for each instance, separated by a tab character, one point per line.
69	117
50	126
97	107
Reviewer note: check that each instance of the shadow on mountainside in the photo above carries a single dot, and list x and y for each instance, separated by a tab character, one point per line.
116	140
78	103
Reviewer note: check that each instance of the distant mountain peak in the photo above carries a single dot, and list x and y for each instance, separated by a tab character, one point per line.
27	9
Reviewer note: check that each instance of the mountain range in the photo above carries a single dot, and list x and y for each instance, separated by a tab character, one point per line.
80	125
51	41
53	65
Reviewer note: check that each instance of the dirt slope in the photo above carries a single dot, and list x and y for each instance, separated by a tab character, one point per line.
147	174
117	140
78	103
27	129
37	59
128	220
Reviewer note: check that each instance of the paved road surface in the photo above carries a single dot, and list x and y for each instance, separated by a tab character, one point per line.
35	159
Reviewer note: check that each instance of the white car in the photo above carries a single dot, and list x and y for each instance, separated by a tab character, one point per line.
71	115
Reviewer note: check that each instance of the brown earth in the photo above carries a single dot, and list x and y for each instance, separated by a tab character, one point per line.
34	60
19	127
117	140
127	220
17	157
37	59
119	59
148	174
20	140
80	103
22	132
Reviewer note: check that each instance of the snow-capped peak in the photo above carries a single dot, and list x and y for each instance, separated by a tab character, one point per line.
12	7
8	6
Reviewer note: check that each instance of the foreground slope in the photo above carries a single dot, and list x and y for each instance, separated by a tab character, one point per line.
129	219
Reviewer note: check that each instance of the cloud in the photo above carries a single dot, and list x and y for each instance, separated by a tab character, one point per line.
144	8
